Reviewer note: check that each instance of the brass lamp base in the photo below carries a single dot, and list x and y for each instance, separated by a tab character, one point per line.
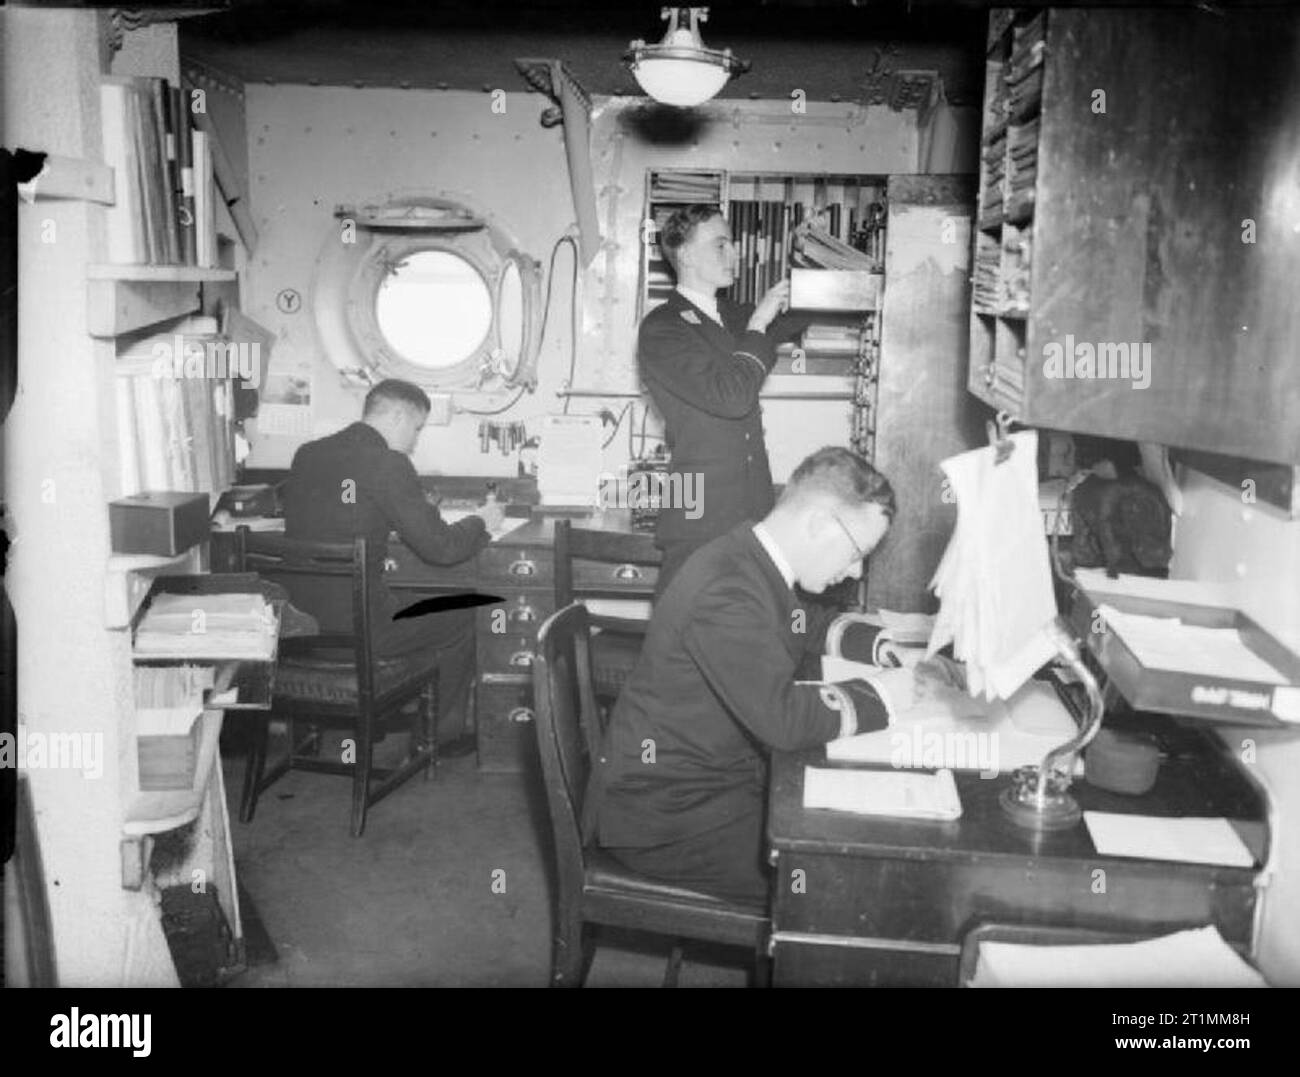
1052	809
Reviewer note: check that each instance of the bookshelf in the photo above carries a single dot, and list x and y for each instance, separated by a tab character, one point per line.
837	356
1130	279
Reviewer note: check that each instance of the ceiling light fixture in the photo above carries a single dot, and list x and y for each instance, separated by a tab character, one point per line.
680	70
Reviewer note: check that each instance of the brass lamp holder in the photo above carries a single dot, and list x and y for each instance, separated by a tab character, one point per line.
1039	797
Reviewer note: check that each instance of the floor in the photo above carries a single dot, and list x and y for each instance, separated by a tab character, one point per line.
448	887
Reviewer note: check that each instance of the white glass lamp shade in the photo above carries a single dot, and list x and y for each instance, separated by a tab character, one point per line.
683	83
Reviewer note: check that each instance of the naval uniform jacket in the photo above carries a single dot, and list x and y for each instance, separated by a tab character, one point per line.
384	495
714	690
705	378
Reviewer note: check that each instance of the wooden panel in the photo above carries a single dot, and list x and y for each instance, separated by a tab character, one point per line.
1141	218
115	307
805	963
924	413
507	740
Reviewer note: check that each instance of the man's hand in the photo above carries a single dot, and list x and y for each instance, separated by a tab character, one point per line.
937	677
493	514
773	303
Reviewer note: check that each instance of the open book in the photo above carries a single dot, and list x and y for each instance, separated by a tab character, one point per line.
950	730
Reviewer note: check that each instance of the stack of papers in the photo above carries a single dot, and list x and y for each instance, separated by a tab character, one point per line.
1167	643
996	605
208	626
882	792
1195	958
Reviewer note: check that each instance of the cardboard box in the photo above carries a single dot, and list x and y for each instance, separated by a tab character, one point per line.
160	522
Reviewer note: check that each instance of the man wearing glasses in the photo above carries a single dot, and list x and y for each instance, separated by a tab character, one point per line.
679	787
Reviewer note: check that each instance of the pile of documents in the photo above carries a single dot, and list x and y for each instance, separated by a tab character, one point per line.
817	248
215	626
996	605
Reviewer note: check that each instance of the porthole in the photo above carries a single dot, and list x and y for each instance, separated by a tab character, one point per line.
427	289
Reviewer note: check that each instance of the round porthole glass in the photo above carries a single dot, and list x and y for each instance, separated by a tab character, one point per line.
434	309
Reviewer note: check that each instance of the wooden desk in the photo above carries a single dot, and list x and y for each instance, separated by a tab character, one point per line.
520	568
889	901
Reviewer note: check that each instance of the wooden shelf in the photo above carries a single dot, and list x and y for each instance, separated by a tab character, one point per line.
157	811
126	298
131	575
109	271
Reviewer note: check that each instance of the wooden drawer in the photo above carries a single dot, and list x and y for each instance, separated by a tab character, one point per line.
404	568
938	901
505	654
600	577
831	961
520	614
507	738
514	566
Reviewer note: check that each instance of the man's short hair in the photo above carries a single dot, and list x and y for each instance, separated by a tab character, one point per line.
394	392
845	476
681	225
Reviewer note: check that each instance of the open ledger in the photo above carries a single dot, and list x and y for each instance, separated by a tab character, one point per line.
948	729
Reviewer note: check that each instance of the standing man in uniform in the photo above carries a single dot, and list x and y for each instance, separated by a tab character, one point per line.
704	360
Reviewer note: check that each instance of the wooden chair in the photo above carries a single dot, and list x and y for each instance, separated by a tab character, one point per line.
334	679
593	888
606	564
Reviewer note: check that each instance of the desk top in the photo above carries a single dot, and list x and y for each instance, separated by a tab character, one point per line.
1196	779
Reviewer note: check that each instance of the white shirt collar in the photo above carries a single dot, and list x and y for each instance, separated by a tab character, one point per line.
706	303
774	552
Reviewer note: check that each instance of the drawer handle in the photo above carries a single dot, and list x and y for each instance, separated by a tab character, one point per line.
520	714
522	658
522	567
523	614
390	564
627	572
989	376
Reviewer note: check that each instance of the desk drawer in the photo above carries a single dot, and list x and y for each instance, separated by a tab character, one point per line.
514	566
831	961
938	901
600	577
507	738
506	654
521	614
403	567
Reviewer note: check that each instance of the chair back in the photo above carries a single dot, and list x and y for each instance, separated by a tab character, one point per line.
623	559
568	728
296	565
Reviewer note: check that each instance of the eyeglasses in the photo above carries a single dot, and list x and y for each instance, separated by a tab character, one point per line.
862	554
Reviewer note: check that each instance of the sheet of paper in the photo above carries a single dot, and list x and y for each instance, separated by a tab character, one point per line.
1191	840
1194	958
1193	592
510	523
882	792
568	460
996	605
1166	643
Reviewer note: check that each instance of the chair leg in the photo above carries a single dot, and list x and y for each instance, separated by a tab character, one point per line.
674	964
254	768
571	951
429	721
361	773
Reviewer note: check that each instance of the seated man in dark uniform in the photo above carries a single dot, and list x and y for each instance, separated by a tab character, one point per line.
361	482
678	791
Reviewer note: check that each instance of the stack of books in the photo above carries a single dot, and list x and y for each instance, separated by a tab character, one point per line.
174	433
988	262
1022	165
163	213
995	170
1024	72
